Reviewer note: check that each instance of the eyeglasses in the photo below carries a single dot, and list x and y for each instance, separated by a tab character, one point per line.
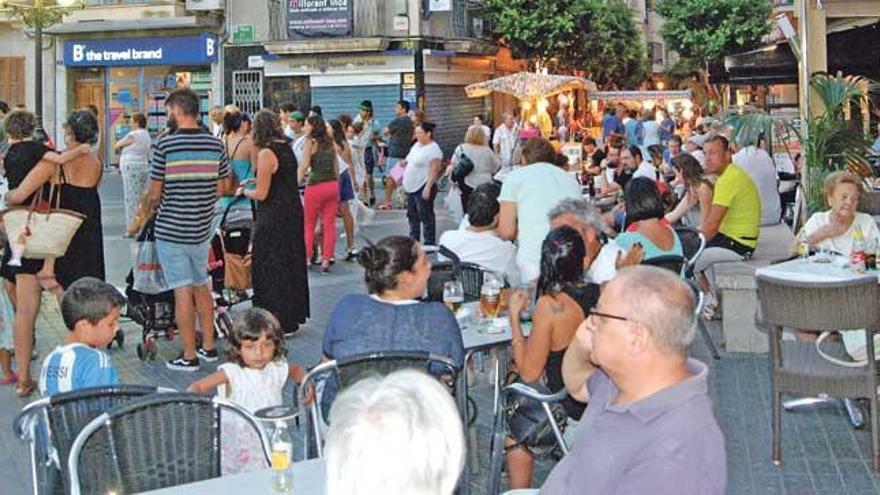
600	314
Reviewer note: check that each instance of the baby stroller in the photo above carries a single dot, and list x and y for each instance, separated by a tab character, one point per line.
229	261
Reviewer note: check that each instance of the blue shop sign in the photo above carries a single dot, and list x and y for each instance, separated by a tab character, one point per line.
170	50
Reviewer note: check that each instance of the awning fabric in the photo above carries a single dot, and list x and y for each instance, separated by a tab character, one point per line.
640	95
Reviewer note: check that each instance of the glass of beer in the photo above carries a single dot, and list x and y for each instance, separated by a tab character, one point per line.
490	299
453	295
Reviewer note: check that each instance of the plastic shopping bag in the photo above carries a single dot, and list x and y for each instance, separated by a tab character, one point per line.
452	201
148	276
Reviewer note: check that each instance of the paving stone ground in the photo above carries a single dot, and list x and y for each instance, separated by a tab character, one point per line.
822	453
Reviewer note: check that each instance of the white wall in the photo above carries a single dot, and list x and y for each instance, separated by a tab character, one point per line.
15	43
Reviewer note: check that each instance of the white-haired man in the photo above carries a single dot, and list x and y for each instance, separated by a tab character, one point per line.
395	434
649	426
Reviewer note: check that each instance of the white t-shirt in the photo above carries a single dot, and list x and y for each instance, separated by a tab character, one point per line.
604	267
485	249
299	146
843	243
139	149
758	164
487	131
505	139
651	131
646	169
418	165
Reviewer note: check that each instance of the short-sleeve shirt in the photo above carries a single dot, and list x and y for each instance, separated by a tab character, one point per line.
626	240
361	323
138	152
535	189
843	243
418	165
736	191
401	129
760	167
666	444
188	162
74	367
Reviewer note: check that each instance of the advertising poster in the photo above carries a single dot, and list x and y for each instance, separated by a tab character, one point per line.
319	18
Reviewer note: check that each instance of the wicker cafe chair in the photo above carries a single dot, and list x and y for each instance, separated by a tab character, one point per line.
153	442
51	424
500	428
796	367
341	373
870	203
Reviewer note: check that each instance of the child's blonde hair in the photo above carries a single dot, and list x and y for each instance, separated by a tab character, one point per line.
250	325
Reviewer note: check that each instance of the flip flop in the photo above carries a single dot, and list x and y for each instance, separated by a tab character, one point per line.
25	389
9	379
383	207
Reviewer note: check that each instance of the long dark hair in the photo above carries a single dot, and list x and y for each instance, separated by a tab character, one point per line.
387	259
250	325
267	128
562	261
338	133
319	132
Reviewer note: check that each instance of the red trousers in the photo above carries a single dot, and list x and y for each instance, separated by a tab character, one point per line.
321	200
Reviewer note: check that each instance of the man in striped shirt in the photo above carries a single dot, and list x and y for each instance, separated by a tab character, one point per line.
189	171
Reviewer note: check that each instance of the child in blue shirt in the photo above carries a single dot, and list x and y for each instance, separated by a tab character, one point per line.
90	309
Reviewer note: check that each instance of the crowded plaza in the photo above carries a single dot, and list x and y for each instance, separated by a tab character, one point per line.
420	272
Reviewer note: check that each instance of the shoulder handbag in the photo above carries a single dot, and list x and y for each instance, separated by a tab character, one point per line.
44	231
463	167
528	423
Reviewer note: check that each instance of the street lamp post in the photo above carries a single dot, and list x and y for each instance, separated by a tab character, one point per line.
38	16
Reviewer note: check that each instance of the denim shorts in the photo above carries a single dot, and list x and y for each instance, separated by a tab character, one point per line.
184	265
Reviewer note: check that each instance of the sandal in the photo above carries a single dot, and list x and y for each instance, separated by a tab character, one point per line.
50	283
9	379
25	388
384	207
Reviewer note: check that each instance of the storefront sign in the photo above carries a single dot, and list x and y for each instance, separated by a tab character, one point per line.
440	5
242	34
319	18
172	50
345	64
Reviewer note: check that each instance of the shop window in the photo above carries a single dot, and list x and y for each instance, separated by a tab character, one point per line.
12	80
283	89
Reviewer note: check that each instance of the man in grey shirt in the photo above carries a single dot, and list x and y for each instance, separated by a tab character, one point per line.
649	426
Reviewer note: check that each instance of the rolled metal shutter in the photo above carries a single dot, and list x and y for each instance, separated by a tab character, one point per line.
453	112
337	100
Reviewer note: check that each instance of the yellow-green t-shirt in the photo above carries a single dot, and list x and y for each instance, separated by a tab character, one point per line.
736	192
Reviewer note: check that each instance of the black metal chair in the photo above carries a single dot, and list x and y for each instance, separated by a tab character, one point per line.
153	442
452	268
327	379
500	430
670	262
51	424
693	242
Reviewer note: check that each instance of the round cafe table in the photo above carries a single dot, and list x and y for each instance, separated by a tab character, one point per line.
308	479
809	271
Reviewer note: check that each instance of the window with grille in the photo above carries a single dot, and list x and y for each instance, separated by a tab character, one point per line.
247	90
12	80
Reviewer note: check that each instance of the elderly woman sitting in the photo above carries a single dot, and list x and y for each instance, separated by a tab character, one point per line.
391	318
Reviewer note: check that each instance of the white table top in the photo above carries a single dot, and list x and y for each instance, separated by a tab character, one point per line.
474	339
801	270
308	479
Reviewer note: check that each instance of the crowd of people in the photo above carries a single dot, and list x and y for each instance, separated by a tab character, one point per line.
612	332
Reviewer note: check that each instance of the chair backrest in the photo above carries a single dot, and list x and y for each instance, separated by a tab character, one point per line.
153	442
692	243
870	203
671	262
65	415
469	274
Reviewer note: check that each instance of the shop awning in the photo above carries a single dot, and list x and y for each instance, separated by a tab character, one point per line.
529	85
99	26
640	95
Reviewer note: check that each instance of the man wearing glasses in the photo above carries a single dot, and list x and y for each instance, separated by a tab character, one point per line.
649	426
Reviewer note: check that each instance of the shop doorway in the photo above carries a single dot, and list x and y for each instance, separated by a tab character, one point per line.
91	92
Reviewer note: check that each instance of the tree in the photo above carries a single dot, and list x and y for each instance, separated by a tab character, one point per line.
706	30
596	36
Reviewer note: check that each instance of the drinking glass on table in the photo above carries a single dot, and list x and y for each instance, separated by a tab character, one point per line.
490	298
453	295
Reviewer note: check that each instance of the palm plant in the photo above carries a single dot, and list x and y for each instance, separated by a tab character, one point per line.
832	141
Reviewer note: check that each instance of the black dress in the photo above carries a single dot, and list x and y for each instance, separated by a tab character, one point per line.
85	254
281	284
20	159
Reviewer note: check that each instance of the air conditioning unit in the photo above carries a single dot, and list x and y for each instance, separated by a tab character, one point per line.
203	5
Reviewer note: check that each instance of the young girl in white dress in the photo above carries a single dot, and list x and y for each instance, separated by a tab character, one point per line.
253	378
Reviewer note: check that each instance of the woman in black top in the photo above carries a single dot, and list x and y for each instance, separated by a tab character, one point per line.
564	301
281	284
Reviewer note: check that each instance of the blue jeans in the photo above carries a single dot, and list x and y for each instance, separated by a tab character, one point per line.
420	213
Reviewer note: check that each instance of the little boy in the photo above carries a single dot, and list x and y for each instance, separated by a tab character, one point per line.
90	309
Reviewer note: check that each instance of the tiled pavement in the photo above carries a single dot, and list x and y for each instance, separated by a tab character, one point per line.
822	453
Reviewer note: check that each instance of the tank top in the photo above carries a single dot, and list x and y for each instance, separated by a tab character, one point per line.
321	169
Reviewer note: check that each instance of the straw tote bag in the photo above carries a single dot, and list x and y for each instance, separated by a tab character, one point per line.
45	231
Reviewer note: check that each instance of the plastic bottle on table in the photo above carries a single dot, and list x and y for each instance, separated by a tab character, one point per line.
282	455
803	248
858	256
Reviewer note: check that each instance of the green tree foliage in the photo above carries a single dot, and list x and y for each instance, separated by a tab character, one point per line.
596	36
707	30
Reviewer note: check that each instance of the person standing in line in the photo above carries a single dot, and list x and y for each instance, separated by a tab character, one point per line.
478	122
422	169
216	115
348	188
190	170
504	141
242	155
369	137
281	283
322	191
298	134
650	131
284	112
485	162
400	138
134	163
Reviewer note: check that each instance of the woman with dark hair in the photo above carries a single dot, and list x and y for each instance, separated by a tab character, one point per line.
390	318
564	301
322	191
242	155
77	183
644	223
347	184
423	168
696	201
278	269
134	165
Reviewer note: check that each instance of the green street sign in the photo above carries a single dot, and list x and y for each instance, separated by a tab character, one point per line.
242	34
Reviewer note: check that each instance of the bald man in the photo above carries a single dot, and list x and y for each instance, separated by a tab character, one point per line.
649	422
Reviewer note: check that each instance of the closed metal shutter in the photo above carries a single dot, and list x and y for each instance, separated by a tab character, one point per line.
247	90
453	112
346	99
